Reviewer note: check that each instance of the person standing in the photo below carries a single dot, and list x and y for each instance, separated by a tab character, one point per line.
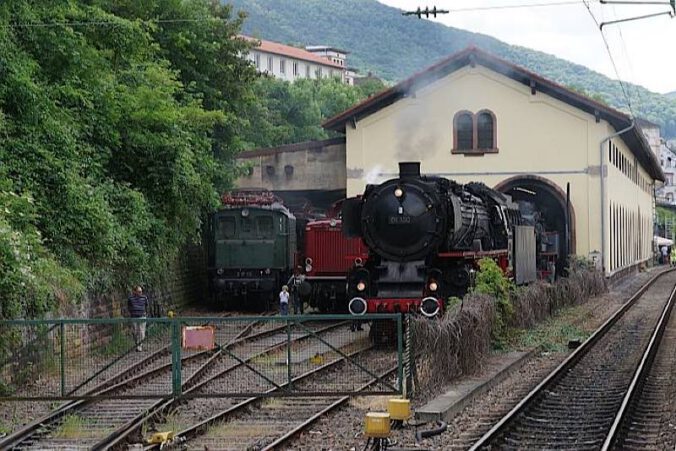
284	301
665	252
295	281
137	305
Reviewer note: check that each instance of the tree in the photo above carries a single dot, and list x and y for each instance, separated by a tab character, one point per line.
114	131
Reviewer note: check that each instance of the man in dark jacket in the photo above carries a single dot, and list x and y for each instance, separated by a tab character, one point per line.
137	304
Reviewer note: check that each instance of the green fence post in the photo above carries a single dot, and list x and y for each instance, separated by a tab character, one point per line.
175	358
400	352
63	359
288	353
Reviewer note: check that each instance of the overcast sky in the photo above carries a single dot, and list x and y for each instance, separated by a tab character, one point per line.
644	50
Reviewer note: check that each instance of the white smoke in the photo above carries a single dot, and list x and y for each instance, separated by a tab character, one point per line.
416	140
373	175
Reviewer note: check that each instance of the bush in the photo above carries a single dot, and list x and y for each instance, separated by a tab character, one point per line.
454	344
458	342
491	281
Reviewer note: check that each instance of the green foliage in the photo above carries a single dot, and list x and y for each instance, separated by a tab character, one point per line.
381	40
114	141
492	281
285	112
120	342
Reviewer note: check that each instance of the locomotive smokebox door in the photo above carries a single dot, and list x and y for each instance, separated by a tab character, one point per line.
351	211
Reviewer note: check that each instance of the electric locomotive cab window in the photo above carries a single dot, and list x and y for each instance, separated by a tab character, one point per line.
264	225
226	227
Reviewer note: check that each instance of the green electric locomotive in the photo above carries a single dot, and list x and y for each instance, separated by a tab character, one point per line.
252	251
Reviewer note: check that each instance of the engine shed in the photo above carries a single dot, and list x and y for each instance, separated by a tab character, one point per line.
584	167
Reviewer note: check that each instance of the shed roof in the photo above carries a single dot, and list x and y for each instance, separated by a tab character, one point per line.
473	56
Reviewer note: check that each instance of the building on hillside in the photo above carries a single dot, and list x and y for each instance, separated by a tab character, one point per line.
292	63
362	79
666	194
652	134
334	54
475	117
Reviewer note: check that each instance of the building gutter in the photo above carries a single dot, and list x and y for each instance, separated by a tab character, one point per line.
603	192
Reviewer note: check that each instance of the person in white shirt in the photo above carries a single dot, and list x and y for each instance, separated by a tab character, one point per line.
295	281
284	301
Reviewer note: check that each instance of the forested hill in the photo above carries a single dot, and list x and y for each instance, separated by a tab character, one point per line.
380	39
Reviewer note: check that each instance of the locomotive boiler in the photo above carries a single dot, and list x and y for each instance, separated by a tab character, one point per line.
425	235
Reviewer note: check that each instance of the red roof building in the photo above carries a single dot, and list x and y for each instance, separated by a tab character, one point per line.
291	63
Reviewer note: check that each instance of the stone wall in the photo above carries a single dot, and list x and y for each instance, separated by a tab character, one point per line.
306	166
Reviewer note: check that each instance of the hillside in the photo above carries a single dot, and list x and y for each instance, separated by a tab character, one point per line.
380	39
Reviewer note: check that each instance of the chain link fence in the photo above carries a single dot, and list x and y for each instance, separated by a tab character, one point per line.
199	357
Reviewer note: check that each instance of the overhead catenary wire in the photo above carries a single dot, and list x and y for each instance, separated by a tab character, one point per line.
515	6
612	59
637	88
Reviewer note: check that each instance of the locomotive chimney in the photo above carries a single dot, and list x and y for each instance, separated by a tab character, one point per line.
409	169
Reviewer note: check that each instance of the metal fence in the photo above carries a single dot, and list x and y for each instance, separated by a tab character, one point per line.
200	357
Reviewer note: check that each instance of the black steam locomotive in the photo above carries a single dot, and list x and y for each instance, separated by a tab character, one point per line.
425	236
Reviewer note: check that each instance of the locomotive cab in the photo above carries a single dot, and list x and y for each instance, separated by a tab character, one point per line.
254	244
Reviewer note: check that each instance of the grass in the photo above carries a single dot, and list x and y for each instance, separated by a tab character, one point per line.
76	427
553	334
120	342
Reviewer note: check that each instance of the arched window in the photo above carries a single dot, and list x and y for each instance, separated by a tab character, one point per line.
464	131
474	134
485	130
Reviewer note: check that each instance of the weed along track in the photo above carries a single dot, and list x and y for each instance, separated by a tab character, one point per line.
576	406
116	408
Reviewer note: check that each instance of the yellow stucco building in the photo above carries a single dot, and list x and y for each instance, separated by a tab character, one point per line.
475	117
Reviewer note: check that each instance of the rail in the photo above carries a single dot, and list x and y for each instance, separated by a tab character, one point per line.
570	362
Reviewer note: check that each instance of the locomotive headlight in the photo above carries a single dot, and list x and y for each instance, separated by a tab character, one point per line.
361	286
219	271
245	213
308	268
267	271
433	286
333	222
398	192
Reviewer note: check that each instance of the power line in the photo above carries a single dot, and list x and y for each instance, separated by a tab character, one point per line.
637	89
515	6
610	54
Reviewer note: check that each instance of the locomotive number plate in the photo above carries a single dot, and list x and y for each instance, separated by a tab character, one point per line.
399	219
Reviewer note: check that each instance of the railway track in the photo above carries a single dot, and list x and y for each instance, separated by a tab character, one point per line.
582	403
266	423
98	423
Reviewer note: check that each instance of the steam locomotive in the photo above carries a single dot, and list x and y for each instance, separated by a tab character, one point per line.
425	236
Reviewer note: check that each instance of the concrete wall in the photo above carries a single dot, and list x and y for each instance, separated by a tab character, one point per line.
537	135
312	165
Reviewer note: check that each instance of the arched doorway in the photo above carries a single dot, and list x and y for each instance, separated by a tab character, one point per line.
557	215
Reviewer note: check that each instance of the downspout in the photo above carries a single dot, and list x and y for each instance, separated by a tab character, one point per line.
603	190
